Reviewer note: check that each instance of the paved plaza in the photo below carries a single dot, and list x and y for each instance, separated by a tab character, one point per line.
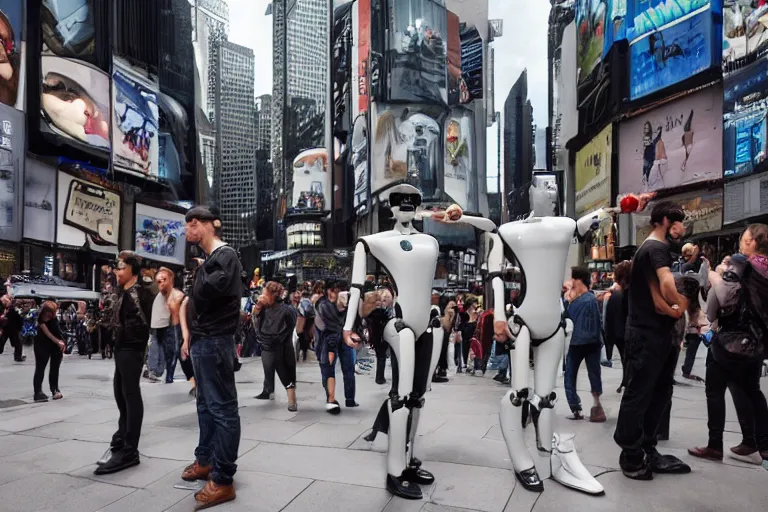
310	461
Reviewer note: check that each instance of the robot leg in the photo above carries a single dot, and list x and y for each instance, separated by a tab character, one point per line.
557	451
403	343
511	417
436	332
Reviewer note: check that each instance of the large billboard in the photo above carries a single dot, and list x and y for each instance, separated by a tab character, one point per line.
744	31
459	155
12	153
87	212
361	48
454	59
745	198
74	101
311	181
677	144
745	108
160	234
418	51
593	173
11	27
359	161
703	213
406	145
471	83
591	16
672	52
135	122
39	201
68	28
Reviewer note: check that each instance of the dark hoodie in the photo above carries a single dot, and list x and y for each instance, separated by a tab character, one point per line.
216	294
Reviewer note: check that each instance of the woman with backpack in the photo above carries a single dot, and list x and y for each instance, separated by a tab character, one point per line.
738	348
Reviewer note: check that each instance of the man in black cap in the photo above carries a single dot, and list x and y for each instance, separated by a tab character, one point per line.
215	303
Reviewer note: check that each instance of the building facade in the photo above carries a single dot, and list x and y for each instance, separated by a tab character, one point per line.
235	181
518	142
264	123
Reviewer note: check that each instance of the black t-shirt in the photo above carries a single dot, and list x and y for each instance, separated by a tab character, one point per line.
650	256
53	328
216	293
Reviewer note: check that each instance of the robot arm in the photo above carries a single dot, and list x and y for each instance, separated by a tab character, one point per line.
591	222
359	267
629	203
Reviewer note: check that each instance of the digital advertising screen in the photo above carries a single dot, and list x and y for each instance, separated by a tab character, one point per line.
745	107
744	29
667	54
11	27
311	181
703	213
459	148
160	234
86	212
673	145
12	158
471	81
593	173
68	28
591	16
74	101
39	201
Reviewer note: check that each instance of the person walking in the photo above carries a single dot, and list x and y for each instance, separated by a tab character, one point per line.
274	323
214	308
12	324
49	345
583	310
134	313
616	312
651	352
163	352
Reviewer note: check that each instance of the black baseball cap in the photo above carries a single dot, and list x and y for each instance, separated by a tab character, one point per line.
203	214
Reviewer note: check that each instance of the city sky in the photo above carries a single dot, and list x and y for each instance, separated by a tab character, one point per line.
524	45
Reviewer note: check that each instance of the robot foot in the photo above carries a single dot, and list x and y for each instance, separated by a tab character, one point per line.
415	463
418	476
372	436
530	480
404	488
568	469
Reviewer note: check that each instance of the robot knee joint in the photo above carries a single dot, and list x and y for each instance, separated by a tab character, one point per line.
400	326
434	323
518	397
397	402
415	402
544	402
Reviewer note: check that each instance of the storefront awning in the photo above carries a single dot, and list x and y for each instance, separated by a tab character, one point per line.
47	291
279	255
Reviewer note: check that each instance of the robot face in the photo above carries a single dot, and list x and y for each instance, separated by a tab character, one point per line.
403	200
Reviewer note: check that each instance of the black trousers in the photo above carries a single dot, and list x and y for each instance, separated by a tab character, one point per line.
442	362
15	339
743	381
128	366
693	341
281	360
46	350
651	358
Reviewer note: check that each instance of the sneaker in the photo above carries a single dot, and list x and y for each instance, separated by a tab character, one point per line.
152	377
293	408
21	359
41	397
706	453
57	395
265	396
744	453
333	408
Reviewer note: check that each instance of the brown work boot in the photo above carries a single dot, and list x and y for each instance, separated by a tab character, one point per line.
214	494
196	472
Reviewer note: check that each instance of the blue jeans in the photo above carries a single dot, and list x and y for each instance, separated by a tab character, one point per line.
347	355
157	350
172	343
217	415
576	354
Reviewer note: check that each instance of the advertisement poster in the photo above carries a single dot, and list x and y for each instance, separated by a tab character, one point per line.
744	30
565	92
590	35
135	122
458	156
11	170
406	144
745	198
160	234
593	173
703	214
311	181
74	101
39	201
361	44
86	209
417	51
471	83
360	159
677	144
668	56
652	15
454	59
169	162
744	120
11	26
68	28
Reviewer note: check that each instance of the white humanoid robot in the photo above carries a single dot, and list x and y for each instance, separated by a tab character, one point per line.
540	247
410	259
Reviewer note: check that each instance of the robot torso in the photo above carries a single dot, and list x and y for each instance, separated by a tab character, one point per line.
540	246
410	261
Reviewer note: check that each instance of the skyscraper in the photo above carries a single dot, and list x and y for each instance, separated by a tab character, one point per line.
518	146
264	123
235	183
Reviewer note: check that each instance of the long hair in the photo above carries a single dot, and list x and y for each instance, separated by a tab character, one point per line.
760	233
621	273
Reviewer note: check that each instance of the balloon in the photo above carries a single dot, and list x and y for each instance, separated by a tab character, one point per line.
629	204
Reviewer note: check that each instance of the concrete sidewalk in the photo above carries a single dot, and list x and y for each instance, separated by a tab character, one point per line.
310	461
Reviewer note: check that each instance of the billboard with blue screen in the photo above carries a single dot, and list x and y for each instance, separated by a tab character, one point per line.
745	107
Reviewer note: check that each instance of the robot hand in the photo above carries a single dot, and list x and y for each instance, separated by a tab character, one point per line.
452	214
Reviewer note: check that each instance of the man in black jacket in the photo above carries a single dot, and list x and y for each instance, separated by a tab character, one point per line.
215	305
11	323
133	310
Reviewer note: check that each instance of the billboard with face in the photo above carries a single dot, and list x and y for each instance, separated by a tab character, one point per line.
418	51
311	181
135	122
744	120
74	101
676	144
666	55
406	145
11	26
68	28
459	147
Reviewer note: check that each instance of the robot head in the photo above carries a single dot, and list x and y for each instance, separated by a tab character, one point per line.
403	201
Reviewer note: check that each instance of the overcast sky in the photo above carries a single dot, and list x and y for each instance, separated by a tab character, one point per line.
524	45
